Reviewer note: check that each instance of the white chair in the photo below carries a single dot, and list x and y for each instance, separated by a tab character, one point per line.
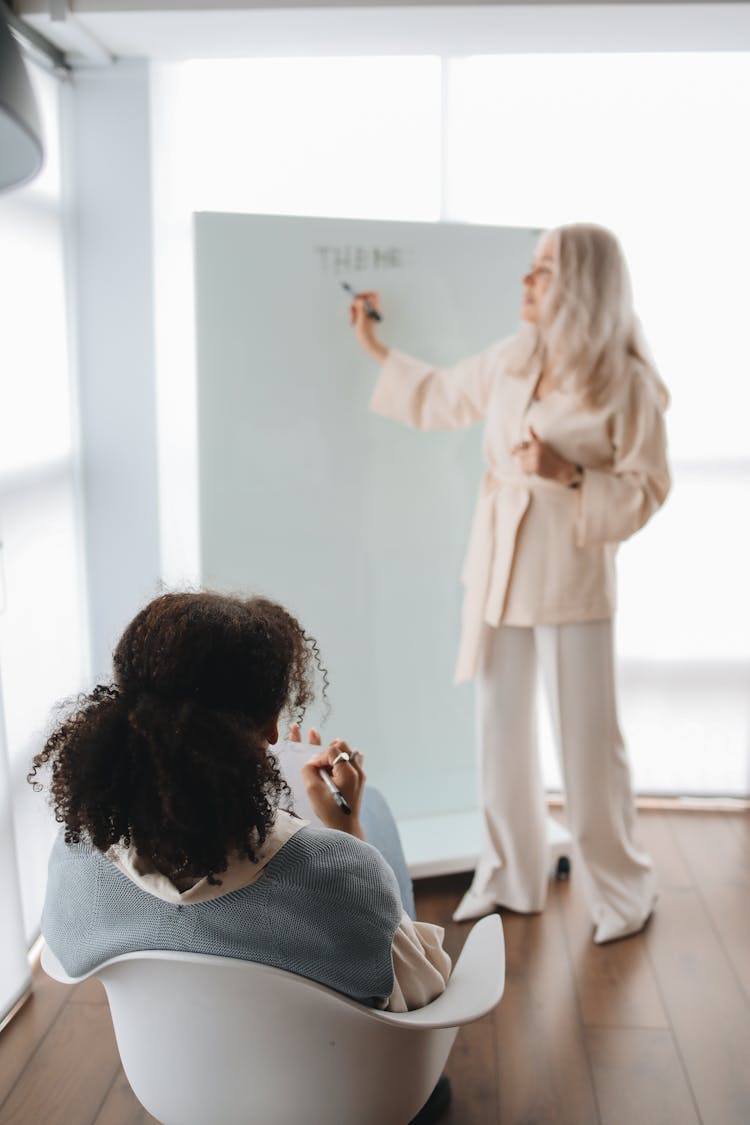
216	1041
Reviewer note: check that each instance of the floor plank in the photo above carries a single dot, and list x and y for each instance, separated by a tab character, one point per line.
708	1011
717	851
615	983
88	992
639	1078
121	1107
20	1039
473	1074
69	1076
658	840
543	1070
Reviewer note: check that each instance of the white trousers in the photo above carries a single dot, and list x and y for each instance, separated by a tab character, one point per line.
577	663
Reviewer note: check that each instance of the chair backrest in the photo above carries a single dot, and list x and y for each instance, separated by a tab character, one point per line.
214	1041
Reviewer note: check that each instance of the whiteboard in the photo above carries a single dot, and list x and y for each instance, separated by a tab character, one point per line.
355	523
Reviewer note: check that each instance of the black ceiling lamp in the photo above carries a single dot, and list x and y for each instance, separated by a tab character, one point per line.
21	152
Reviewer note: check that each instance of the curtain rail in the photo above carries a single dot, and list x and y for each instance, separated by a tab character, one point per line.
34	45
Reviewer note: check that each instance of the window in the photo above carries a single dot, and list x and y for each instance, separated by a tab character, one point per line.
42	624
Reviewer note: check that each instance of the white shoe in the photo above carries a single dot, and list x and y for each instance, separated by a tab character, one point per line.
605	933
474	904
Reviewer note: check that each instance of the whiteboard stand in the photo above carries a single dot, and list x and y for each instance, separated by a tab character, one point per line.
449	844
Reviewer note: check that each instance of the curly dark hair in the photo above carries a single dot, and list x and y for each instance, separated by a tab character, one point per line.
172	757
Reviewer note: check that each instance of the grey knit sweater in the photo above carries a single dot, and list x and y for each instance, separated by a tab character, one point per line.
326	907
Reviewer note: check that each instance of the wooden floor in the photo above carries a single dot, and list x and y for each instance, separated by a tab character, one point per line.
654	1030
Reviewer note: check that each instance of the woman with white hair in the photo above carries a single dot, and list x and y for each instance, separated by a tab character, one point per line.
575	453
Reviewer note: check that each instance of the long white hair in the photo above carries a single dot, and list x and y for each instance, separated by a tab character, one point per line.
588	332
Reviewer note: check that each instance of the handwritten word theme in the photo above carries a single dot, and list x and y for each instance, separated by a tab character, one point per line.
350	259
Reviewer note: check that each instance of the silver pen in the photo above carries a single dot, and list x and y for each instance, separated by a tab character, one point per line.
335	792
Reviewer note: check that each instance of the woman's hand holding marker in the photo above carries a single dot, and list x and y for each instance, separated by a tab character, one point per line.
365	329
370	309
343	770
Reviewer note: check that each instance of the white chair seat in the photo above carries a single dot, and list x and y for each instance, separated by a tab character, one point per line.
216	1041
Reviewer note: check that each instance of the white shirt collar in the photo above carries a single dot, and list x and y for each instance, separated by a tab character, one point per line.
241	872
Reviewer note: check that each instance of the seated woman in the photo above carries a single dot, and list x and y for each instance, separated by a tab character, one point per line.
174	832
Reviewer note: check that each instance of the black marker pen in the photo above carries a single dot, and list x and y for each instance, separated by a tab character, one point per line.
335	792
371	312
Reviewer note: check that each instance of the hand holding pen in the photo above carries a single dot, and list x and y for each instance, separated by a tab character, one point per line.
363	311
334	780
369	301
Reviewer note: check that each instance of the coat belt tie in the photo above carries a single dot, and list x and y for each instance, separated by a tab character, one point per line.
502	504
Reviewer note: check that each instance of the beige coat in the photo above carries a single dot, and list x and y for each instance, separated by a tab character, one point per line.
539	553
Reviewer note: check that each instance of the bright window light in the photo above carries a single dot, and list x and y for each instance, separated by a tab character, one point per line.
35	422
344	137
654	147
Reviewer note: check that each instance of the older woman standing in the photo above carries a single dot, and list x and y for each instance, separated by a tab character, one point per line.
575	452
